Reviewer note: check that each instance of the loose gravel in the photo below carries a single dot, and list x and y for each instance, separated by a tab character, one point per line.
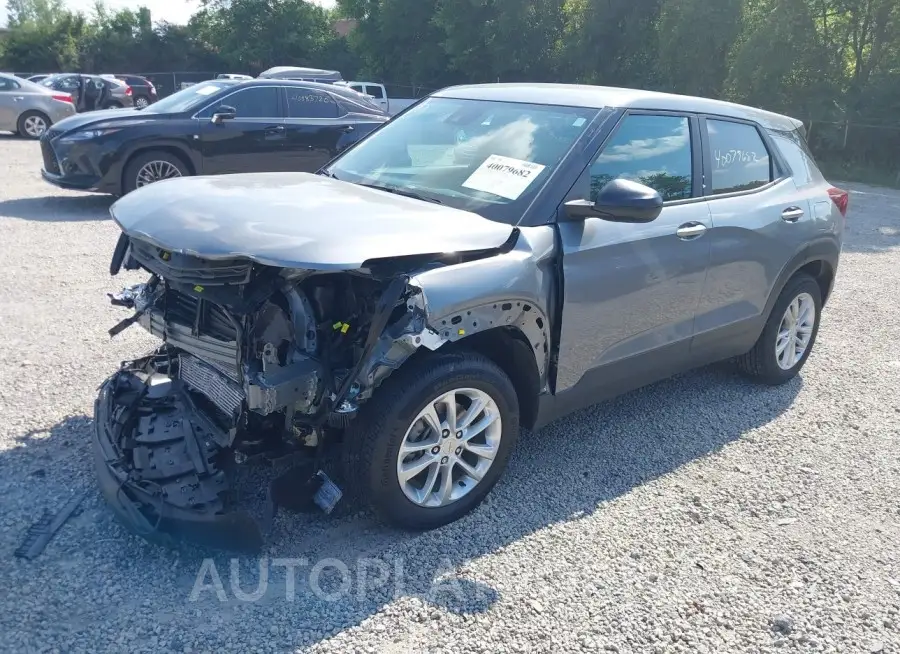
703	514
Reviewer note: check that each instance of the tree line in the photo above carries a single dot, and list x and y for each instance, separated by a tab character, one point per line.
833	63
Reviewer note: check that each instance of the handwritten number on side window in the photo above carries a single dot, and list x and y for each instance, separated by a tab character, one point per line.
728	158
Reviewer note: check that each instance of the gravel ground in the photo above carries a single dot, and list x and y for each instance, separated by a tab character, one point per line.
702	514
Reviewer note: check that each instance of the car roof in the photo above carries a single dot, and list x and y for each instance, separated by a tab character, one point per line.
598	97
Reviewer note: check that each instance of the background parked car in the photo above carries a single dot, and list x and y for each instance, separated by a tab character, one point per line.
143	92
92	92
38	78
30	109
211	128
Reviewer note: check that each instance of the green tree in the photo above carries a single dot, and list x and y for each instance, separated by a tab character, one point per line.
695	38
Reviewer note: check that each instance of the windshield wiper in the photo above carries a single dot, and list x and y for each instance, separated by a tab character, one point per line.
399	191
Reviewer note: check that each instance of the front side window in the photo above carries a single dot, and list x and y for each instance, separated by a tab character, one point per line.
375	92
311	103
652	150
488	157
256	102
740	160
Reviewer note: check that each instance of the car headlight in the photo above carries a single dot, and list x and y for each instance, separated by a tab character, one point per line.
87	134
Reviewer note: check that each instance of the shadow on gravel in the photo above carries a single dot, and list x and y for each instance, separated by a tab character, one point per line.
56	208
347	567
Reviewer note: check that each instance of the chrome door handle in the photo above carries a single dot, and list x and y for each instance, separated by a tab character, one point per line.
18	97
792	214
690	231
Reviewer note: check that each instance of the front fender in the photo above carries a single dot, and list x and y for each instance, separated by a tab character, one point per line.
512	289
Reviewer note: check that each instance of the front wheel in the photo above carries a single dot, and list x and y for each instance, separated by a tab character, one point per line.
433	440
151	167
789	335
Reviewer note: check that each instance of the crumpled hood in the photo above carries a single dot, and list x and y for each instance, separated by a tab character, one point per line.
297	220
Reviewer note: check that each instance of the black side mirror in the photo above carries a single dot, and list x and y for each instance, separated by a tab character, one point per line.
621	201
223	113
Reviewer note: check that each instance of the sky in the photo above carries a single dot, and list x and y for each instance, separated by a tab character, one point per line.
173	11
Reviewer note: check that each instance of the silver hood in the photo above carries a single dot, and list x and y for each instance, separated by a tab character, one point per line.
297	220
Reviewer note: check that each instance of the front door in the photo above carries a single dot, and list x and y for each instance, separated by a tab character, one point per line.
631	290
252	141
316	129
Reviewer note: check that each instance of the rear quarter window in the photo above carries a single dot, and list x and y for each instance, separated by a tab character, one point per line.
796	153
739	158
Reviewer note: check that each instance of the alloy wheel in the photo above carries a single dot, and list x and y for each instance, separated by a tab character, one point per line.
449	447
795	331
141	103
35	126
154	171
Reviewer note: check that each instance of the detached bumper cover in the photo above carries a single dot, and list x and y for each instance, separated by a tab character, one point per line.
155	458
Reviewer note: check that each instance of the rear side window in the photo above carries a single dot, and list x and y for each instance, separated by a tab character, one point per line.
796	152
740	160
7	84
311	103
652	150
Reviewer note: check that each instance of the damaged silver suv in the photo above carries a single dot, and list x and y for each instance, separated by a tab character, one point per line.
494	258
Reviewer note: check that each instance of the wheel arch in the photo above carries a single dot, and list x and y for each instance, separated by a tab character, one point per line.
168	148
819	259
509	348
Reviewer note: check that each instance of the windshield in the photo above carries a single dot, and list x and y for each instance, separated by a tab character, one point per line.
487	157
187	99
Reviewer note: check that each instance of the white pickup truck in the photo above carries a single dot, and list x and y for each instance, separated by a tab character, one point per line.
378	93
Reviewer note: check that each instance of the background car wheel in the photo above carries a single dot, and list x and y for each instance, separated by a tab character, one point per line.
789	335
33	124
113	105
141	102
151	167
433	441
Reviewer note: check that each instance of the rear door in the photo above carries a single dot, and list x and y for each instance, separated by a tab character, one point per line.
318	127
631	290
253	141
759	222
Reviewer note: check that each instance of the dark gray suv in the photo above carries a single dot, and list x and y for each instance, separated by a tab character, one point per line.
494	258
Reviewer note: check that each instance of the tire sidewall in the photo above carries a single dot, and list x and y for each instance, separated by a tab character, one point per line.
29	114
798	285
384	482
129	178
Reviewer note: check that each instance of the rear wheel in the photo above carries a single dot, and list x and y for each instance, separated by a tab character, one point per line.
151	167
33	124
141	102
433	441
789	335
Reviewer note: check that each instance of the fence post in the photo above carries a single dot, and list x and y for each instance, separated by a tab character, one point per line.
846	133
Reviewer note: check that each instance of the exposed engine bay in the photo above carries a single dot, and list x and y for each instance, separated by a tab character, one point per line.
255	361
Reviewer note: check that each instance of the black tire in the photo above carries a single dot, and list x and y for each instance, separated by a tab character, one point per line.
372	442
761	362
20	125
113	105
130	176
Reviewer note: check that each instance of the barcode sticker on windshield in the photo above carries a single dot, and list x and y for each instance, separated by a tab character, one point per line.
504	176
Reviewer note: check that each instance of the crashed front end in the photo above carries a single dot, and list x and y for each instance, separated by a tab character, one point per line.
256	360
